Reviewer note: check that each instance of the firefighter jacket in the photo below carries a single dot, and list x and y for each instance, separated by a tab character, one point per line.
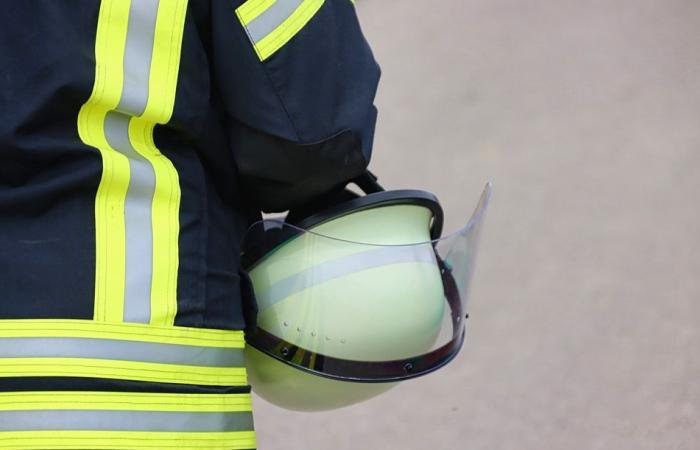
138	140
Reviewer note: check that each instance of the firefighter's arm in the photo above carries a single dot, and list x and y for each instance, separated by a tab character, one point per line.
296	80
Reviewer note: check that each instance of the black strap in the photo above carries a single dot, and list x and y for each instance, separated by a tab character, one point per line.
368	183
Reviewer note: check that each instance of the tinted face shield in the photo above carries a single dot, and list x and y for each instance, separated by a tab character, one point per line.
366	294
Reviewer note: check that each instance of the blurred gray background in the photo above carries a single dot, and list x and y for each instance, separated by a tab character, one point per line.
585	313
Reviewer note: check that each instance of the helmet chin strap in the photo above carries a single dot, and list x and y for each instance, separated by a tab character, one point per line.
343	200
370	371
368	183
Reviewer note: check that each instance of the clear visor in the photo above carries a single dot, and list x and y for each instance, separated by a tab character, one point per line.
365	297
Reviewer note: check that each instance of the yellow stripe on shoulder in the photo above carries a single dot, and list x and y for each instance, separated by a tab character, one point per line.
252	9
271	24
289	28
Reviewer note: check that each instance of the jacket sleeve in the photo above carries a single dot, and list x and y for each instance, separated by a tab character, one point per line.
296	81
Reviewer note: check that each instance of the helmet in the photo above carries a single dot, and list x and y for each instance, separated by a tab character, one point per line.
356	298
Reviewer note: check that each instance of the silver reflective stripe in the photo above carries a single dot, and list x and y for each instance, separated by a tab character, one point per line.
357	262
97	420
137	221
142	180
109	349
271	18
137	56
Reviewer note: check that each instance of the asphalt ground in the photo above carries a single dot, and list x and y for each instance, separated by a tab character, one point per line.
585	312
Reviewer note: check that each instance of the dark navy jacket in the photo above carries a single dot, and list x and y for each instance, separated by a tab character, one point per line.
247	133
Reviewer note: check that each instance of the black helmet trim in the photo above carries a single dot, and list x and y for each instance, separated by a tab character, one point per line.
369	371
351	370
254	255
379	199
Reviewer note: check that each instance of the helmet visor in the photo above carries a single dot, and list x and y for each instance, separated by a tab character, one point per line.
366	297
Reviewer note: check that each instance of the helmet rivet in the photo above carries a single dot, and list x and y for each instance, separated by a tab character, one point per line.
313	333
299	329
285	351
327	338
408	367
342	341
286	324
466	316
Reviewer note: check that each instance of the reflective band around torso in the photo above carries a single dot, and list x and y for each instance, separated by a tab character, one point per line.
147	352
121	351
81	420
73	420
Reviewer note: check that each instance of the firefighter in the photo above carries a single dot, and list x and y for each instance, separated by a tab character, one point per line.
138	141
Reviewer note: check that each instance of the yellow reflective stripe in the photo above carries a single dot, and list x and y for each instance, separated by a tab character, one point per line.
151	417
110	274
126	440
124	331
121	369
111	194
124	370
165	223
126	401
252	9
165	64
283	32
288	29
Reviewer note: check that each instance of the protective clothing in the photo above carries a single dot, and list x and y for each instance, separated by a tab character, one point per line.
353	299
138	141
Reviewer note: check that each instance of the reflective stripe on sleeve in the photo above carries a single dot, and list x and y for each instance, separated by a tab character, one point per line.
271	18
271	24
